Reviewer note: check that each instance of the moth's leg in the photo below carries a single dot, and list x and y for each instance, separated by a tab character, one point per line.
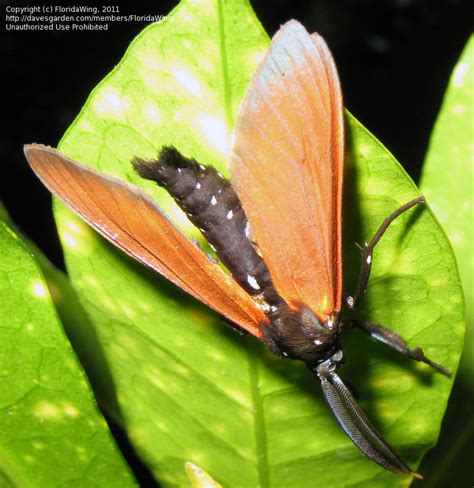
393	340
367	250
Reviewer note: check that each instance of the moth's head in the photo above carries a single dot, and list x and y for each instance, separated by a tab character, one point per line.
328	363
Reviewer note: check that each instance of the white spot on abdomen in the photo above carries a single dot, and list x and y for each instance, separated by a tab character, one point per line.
213	200
264	307
230	214
247	230
253	282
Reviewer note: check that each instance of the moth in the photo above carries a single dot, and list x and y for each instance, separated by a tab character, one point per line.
276	225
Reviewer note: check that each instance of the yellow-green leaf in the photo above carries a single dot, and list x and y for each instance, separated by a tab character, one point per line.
51	431
448	181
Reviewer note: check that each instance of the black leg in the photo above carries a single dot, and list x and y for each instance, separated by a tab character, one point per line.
396	342
356	424
367	250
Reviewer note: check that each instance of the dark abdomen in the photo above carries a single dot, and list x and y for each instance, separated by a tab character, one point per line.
211	204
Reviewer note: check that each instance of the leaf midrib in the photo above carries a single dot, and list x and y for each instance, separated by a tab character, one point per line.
259	417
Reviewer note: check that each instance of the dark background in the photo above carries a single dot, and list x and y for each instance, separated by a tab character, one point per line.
394	58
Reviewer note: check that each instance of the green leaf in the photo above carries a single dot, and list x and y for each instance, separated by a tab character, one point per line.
447	180
199	478
52	433
190	389
448	171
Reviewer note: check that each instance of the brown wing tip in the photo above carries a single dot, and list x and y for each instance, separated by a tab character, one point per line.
297	27
300	30
31	149
291	24
34	146
293	28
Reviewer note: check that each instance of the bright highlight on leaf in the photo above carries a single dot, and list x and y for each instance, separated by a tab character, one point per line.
68	240
460	72
215	131
39	289
198	478
47	411
188	81
110	105
152	113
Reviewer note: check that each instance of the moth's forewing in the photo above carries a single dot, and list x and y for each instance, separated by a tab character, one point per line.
134	223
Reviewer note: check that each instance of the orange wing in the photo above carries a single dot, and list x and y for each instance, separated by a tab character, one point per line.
134	223
287	168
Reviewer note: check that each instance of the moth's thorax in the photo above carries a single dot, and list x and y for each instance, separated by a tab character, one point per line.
300	334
